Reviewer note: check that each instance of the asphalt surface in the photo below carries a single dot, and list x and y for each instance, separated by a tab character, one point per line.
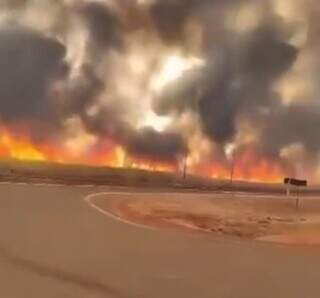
54	245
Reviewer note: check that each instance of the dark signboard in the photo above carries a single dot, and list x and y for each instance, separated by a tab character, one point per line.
295	182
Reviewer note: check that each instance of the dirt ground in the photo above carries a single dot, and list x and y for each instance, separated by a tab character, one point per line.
261	217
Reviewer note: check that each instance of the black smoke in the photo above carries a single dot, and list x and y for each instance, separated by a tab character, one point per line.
239	79
103	25
170	17
80	93
29	62
244	82
148	143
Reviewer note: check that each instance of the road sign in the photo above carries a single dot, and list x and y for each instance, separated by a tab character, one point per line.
295	182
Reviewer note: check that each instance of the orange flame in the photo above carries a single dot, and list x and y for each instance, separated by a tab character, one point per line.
18	147
247	165
252	167
21	147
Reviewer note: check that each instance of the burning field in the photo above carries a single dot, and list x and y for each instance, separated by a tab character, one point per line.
221	88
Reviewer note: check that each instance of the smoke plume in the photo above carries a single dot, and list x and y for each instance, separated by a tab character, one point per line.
168	78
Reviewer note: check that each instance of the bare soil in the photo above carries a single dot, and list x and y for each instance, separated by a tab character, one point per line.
262	217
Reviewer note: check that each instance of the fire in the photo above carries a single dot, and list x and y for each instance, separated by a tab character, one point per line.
245	166
18	147
105	153
252	167
151	165
214	170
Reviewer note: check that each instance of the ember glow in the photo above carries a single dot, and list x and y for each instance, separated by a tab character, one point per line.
225	86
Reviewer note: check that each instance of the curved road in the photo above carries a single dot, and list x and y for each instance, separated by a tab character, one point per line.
53	245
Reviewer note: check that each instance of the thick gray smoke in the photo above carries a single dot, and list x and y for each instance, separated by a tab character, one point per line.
29	61
103	25
241	81
244	82
153	145
170	17
107	64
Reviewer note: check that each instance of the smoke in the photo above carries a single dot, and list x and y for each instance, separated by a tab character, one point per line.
29	62
170	17
153	145
154	76
295	124
244	81
103	25
13	4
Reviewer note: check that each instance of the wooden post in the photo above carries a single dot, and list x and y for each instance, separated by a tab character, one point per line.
288	190
185	168
232	172
298	198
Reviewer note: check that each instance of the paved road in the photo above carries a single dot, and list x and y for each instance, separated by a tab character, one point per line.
53	245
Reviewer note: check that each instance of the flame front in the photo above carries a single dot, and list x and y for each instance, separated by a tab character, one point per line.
18	147
247	166
21	147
